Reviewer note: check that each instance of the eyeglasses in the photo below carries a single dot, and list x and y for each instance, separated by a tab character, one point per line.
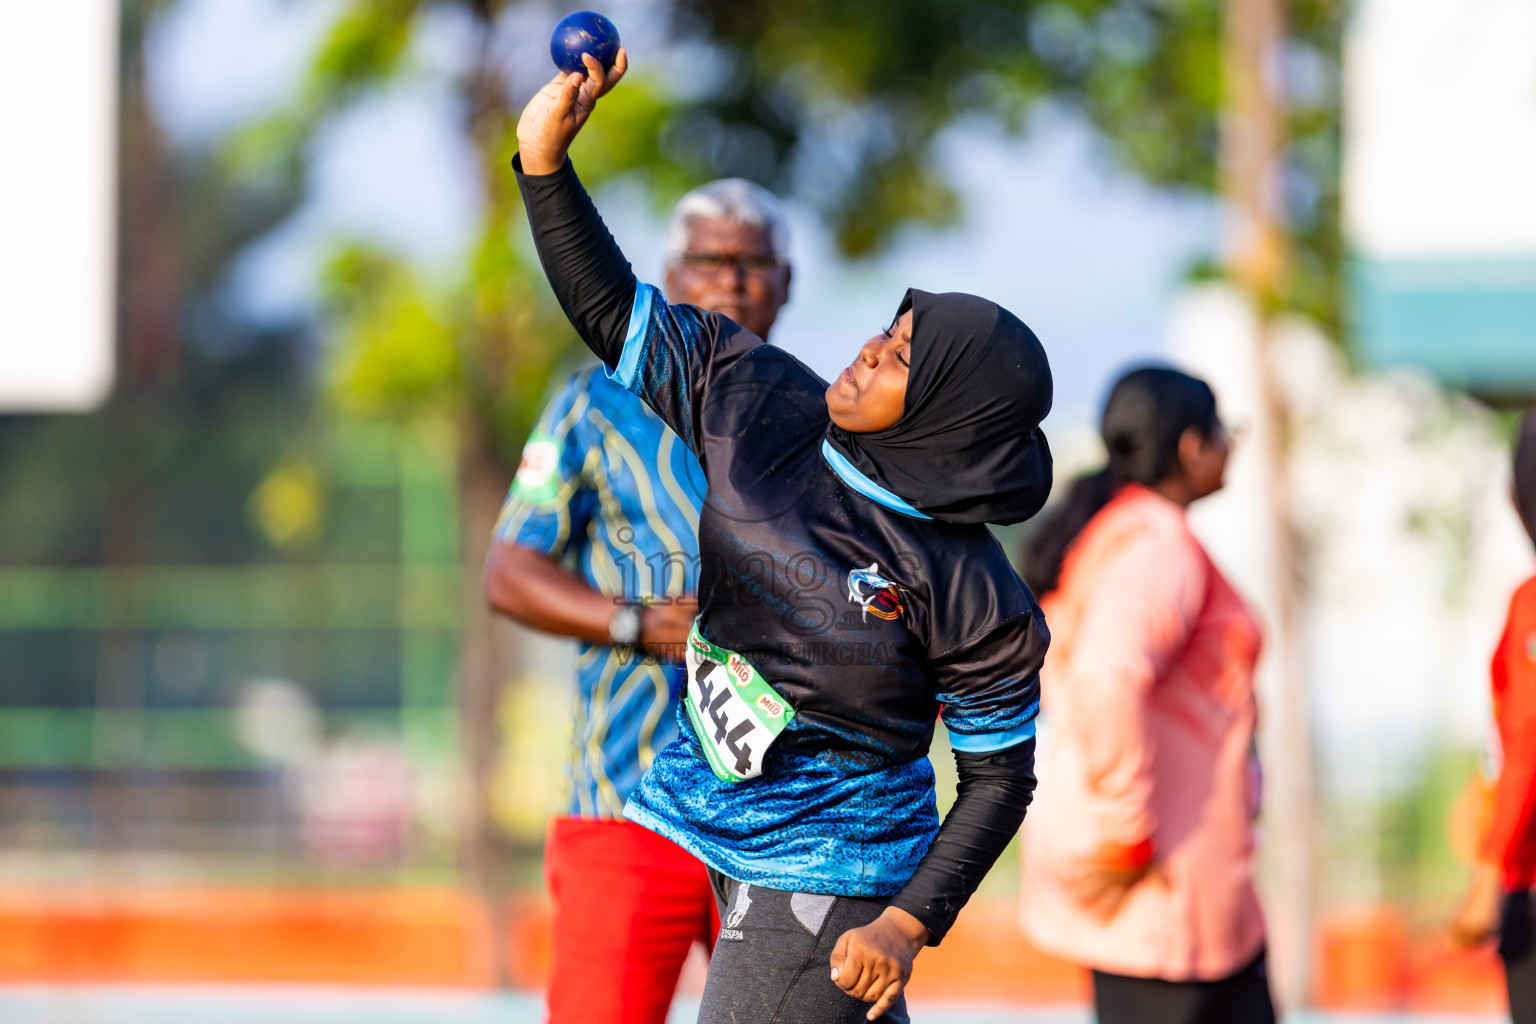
711	263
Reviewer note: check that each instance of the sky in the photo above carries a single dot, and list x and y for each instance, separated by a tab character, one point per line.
1088	257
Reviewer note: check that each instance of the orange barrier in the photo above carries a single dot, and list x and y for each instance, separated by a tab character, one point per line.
398	937
1366	960
366	937
984	957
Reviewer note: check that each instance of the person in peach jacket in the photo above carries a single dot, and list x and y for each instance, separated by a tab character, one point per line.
1138	858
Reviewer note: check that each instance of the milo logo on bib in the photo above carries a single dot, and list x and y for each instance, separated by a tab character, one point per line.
734	712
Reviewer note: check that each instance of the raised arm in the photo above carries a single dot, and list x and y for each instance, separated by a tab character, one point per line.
589	275
667	355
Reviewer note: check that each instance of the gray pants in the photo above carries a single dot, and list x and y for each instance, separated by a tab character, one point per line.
772	959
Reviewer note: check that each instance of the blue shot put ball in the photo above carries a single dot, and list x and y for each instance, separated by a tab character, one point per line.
584	32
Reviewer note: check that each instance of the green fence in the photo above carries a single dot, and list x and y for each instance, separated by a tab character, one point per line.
155	565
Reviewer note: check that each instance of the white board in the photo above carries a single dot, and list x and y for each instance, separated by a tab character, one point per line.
58	170
1440	128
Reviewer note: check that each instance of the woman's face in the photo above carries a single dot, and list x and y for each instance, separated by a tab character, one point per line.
1204	460
870	394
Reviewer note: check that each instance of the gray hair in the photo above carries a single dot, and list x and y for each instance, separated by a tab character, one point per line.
734	199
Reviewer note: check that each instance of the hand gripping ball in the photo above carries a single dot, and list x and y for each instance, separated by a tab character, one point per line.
584	32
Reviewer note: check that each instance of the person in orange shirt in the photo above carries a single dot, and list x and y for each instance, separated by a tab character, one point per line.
1499	898
1138	855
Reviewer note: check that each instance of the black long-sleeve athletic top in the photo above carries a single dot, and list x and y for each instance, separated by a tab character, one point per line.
866	618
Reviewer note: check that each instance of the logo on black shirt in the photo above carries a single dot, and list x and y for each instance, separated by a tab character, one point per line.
874	593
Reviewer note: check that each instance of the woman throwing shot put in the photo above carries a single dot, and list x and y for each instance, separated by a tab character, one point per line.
849	591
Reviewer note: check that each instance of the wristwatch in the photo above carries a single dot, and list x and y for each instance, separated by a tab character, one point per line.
624	626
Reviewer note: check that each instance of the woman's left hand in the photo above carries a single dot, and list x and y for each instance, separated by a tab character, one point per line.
1477	919
873	963
1102	889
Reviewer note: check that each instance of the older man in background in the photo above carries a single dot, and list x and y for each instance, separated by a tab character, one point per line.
598	541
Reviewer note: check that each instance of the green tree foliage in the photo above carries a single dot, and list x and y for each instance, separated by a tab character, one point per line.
844	105
478	342
185	219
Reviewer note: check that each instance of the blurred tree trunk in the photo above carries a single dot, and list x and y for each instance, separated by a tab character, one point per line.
486	664
1252	146
482	668
149	298
149	291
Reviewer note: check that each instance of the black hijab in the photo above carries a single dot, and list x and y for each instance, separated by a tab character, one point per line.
968	447
1525	471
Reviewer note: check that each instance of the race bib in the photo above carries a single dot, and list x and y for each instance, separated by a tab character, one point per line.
734	711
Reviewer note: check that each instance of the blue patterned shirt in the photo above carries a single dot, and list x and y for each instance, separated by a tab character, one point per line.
607	488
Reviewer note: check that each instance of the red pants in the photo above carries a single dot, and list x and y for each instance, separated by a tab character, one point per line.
628	907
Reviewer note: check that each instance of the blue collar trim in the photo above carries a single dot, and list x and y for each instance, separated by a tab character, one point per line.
850	475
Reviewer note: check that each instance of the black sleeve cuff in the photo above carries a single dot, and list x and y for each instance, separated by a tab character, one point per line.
937	925
565	171
995	790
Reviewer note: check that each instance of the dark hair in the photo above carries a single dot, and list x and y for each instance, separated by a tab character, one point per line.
1146	413
1525	471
